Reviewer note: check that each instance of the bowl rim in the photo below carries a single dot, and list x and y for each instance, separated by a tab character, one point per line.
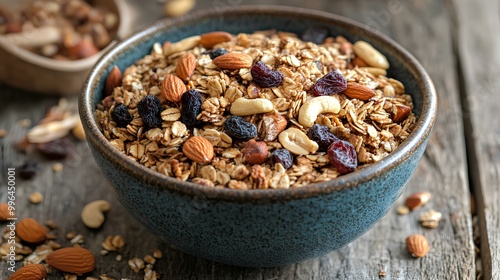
124	27
162	182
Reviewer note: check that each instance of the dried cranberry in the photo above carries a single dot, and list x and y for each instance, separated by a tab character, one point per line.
58	149
282	156
315	34
321	135
216	52
265	77
121	116
329	84
29	169
238	128
343	157
191	102
150	109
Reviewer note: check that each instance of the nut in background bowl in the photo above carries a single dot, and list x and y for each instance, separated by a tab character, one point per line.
269	227
26	70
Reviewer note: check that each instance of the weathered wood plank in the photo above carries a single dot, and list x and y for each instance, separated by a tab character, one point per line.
477	42
422	27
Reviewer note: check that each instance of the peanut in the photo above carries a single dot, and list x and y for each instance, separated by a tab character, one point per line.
297	142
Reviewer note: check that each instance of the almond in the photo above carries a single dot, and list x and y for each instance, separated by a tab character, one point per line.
113	80
198	149
185	66
358	91
417	199
233	61
30	272
4	212
210	39
417	245
401	113
29	230
72	260
172	88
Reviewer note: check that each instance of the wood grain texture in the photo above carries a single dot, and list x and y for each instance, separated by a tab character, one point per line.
423	27
478	41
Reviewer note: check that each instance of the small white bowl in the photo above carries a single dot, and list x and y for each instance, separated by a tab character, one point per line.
26	70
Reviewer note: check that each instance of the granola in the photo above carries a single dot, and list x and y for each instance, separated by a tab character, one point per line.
375	120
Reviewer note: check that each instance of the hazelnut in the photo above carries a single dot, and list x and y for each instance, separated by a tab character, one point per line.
255	152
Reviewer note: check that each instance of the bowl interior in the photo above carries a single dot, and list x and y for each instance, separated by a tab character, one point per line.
404	67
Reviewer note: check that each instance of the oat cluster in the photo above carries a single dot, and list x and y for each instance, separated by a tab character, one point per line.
375	116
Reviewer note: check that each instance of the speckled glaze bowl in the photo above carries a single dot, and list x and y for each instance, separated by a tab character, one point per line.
259	227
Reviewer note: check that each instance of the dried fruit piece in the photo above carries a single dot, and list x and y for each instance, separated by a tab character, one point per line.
172	88
331	83
216	53
191	102
30	272
321	135
185	66
343	157
315	34
417	199
121	116
282	156
57	149
417	245
76	260
29	169
113	80
265	77
198	149
29	230
210	39
238	128
255	152
150	109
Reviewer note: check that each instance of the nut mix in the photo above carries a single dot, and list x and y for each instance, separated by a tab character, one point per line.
62	29
257	111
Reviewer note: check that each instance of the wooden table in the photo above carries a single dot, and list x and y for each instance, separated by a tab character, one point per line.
457	41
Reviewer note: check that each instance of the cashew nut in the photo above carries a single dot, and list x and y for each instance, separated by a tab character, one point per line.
244	107
315	106
297	142
370	55
182	45
92	213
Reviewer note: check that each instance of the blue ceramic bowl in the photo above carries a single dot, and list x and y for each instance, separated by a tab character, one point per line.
259	227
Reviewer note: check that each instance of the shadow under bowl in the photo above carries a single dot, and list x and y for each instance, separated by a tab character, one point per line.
259	227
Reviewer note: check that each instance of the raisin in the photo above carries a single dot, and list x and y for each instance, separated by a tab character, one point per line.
282	156
121	116
238	128
58	149
343	157
315	34
150	109
265	77
29	169
216	53
321	135
191	107
329	84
